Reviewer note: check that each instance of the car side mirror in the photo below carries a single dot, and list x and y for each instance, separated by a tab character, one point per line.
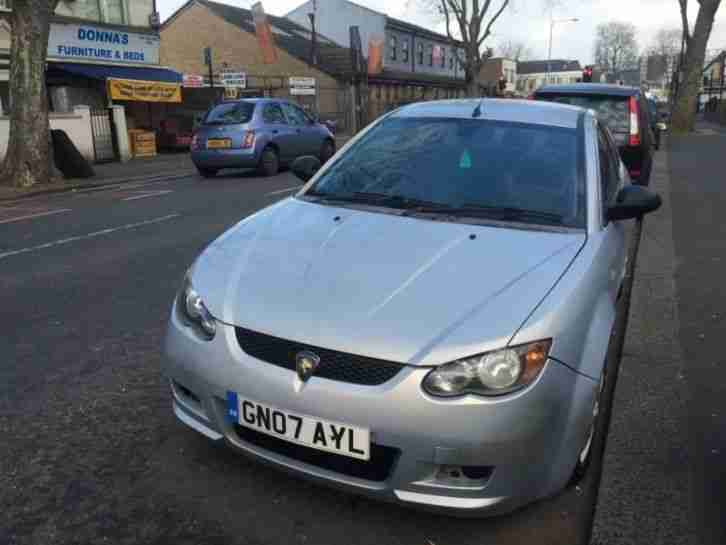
633	201
305	167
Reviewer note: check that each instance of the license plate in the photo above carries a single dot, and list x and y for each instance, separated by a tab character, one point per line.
219	143
301	429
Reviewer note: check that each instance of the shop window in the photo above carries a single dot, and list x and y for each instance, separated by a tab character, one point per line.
404	50
393	45
420	53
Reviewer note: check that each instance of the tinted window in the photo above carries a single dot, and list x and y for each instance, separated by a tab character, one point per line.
273	114
295	116
465	163
611	110
230	113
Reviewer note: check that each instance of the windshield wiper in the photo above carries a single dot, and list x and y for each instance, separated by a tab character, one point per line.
494	212
375	199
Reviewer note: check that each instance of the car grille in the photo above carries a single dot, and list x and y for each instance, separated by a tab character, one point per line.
333	365
378	468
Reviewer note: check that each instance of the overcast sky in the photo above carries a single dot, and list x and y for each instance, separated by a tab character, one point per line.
528	22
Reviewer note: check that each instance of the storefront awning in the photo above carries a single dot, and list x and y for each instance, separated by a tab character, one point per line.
103	72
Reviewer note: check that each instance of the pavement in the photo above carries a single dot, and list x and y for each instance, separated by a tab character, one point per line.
93	454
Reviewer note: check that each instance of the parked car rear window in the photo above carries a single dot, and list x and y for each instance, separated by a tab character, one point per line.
465	163
230	113
611	110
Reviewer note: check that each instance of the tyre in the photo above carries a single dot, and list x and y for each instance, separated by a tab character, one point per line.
327	151
269	162
207	172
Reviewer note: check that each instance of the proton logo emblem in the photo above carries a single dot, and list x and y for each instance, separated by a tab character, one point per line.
306	363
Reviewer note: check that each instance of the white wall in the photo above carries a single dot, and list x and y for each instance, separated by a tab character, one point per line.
334	17
76	125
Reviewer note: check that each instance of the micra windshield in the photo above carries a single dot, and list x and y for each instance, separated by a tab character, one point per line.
462	168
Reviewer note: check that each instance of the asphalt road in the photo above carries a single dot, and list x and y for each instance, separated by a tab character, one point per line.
91	452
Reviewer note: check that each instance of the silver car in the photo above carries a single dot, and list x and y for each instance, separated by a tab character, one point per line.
426	321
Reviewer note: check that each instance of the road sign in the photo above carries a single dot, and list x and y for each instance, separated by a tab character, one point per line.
192	80
234	79
302	85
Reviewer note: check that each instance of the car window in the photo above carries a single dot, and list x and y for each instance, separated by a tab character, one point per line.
608	168
465	163
273	114
295	116
230	113
611	110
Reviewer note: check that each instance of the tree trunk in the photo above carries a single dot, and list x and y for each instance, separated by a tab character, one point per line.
684	115
28	158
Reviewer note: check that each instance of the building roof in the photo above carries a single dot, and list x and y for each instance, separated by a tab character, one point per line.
540	67
419	30
292	38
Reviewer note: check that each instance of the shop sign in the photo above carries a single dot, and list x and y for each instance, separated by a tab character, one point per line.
302	85
69	41
192	80
143	91
234	79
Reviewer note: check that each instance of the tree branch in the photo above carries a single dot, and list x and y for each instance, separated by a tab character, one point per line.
487	31
684	20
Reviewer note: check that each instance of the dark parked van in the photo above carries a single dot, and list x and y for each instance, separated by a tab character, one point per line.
624	110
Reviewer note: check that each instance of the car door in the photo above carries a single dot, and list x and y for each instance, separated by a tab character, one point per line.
308	138
277	130
611	181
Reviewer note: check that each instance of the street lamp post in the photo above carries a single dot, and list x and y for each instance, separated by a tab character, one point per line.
549	49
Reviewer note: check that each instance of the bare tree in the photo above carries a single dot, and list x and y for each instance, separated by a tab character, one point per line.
667	42
28	158
684	113
511	49
471	22
615	47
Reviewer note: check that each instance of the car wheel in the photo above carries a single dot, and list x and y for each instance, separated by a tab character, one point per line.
207	172
327	151
269	162
584	457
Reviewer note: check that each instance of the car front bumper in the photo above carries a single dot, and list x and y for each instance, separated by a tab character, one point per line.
225	158
529	441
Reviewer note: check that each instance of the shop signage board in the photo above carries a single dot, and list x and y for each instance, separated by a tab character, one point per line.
73	41
234	79
144	91
193	80
302	85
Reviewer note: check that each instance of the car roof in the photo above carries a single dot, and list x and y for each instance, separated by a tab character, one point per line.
520	111
590	89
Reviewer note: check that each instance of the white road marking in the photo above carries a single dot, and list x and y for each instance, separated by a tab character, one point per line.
36	215
87	236
283	190
148	194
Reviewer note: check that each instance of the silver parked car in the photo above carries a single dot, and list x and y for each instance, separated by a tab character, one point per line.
427	320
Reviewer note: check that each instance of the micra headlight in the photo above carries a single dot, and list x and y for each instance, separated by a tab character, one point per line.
194	312
490	374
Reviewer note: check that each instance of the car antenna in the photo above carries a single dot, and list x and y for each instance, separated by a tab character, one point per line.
478	110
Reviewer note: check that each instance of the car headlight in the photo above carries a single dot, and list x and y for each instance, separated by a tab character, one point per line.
194	311
489	374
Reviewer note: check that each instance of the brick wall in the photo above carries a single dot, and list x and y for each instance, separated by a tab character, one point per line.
184	38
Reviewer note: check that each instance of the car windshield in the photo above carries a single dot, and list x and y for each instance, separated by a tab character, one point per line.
231	113
464	168
611	110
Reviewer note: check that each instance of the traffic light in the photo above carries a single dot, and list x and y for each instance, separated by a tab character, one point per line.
587	74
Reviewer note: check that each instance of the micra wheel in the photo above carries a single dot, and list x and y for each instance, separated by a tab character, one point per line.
207	172
269	162
327	151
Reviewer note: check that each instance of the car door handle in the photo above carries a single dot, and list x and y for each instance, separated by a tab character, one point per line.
275	131
298	131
